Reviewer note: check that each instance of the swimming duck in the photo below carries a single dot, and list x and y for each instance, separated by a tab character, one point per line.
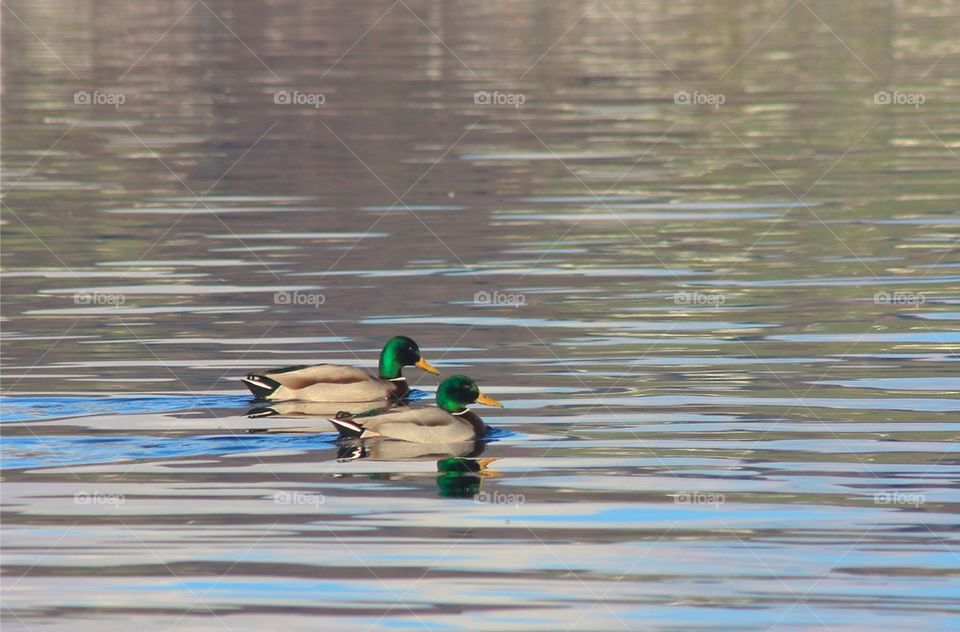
450	421
337	383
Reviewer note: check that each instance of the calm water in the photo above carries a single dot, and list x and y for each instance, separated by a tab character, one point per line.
706	253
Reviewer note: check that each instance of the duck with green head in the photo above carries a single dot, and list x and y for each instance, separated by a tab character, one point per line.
338	383
450	421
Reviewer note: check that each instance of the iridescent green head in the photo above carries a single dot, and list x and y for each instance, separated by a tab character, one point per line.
458	391
399	352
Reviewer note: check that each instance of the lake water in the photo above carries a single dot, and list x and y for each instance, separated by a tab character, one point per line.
705	253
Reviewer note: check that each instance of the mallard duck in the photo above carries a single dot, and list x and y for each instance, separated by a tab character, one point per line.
450	421
337	383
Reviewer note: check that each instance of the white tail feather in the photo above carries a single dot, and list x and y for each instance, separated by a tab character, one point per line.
256	383
352	427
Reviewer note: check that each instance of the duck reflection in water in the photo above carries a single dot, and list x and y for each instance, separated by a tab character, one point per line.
449	432
457	476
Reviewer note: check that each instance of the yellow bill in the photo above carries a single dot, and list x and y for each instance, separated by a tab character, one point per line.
423	364
486	400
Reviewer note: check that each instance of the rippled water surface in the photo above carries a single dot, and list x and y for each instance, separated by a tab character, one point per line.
705	253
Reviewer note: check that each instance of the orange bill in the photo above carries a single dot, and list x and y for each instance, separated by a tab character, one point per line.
423	364
486	400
